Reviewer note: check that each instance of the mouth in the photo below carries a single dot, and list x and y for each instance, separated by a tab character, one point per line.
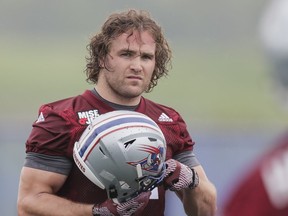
135	77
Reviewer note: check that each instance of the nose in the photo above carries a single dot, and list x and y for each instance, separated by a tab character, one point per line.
136	64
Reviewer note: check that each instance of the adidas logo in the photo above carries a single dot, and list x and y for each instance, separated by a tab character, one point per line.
40	118
164	118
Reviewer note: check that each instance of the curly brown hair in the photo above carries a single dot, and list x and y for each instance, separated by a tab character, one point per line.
117	24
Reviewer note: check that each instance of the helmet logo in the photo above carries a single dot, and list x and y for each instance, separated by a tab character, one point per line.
152	161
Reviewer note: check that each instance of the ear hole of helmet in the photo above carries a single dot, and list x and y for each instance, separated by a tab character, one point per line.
128	143
152	139
101	150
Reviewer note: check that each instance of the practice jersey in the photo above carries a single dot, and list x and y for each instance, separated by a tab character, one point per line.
61	123
264	190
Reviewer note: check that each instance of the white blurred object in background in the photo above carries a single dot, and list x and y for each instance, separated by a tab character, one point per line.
274	27
274	38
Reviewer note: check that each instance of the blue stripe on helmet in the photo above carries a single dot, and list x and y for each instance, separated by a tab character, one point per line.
110	124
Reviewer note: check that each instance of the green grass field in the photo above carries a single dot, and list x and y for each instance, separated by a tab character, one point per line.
222	85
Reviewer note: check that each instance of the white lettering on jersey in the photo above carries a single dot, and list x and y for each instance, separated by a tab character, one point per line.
86	117
154	194
275	179
40	118
164	118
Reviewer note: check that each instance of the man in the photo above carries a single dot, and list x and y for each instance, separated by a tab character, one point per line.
264	189
127	58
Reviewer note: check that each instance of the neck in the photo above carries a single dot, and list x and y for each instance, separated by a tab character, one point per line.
117	99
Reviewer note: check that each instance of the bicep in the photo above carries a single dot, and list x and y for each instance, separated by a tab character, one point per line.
36	181
43	173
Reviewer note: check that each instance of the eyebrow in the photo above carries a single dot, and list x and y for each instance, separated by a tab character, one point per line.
134	52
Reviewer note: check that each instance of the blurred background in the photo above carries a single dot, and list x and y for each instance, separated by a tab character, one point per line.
219	81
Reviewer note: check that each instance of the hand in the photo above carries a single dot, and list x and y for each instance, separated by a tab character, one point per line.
134	206
179	176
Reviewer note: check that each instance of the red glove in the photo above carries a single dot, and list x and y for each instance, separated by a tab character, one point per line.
179	176
134	206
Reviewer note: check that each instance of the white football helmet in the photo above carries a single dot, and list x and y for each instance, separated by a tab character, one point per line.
122	152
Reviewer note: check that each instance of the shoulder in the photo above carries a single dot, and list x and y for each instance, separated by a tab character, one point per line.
77	108
158	105
53	110
172	125
57	127
162	113
63	104
61	115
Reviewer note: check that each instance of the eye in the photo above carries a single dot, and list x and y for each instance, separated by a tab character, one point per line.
126	54
147	57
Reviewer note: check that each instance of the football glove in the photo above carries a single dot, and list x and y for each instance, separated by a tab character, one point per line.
134	206
179	176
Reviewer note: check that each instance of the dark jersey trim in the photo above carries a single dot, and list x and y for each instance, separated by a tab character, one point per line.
113	105
56	164
188	158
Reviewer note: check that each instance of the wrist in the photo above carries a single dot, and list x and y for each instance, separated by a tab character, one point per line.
95	210
104	209
195	179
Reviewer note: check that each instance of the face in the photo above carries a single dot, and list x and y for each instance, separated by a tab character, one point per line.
128	68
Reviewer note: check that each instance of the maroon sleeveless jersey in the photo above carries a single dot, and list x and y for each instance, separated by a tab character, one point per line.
61	123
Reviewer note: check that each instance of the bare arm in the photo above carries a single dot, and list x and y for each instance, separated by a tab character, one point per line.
36	195
200	201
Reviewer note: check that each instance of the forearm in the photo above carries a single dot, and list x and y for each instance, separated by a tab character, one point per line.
200	201
45	204
192	186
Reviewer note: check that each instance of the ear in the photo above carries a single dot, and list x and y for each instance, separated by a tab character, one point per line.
101	63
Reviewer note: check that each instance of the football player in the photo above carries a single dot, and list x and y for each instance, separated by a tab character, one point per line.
264	190
127	58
